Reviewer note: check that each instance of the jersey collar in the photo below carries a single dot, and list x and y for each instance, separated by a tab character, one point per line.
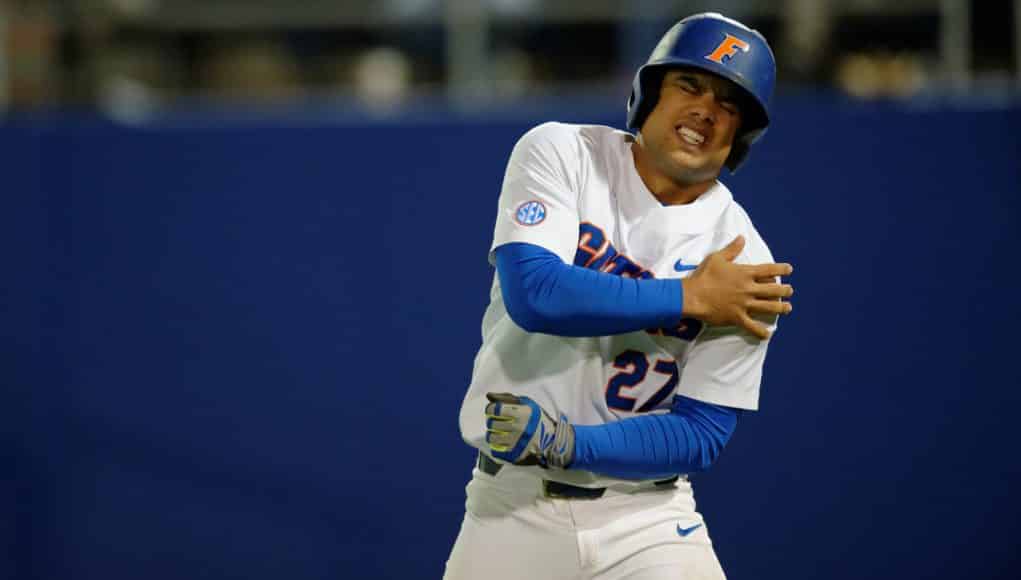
638	203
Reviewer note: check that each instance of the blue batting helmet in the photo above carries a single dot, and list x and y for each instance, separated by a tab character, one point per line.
725	47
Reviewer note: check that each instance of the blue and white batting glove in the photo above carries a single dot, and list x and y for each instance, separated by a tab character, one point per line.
519	431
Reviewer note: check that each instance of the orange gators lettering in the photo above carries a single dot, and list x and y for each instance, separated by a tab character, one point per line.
728	48
591	247
595	252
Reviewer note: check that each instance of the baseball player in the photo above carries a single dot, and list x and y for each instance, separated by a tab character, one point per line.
627	328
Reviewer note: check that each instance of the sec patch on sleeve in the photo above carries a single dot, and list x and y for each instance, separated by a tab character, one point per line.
530	213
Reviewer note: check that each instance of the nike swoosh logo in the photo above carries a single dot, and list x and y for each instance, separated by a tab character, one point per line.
680	266
684	532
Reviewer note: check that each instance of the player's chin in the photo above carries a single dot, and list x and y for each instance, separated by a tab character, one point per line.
695	165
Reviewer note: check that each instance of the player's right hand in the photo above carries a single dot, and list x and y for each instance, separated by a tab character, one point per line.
519	431
723	293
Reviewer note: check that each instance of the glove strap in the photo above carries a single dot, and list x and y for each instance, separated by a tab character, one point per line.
560	452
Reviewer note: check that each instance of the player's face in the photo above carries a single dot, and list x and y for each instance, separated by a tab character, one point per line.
690	131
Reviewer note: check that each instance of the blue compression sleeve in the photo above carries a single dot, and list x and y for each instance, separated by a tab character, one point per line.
686	440
543	294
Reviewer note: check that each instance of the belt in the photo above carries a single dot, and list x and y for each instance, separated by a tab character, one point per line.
558	490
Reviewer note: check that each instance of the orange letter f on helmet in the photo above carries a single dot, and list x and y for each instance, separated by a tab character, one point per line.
728	48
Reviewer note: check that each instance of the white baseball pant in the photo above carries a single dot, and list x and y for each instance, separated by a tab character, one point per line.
511	531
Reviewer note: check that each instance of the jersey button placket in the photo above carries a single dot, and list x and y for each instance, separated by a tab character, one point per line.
588	552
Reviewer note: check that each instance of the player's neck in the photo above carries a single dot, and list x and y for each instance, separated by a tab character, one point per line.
663	187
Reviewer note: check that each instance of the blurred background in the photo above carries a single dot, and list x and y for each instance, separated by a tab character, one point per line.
126	57
245	248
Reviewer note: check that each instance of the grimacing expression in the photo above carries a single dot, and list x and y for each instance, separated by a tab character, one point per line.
690	131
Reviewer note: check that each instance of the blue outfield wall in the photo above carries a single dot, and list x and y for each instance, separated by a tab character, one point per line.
237	349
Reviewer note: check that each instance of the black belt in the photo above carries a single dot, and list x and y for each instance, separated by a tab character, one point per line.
557	490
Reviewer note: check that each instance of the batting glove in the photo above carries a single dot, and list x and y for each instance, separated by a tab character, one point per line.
519	431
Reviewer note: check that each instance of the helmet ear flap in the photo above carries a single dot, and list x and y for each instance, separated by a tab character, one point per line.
742	145
738	151
648	83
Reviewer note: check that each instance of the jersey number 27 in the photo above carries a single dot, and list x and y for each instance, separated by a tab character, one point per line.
634	366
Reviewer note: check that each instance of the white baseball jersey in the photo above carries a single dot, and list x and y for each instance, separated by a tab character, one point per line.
574	190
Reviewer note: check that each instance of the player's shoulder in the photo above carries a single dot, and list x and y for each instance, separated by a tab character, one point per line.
569	139
737	221
555	130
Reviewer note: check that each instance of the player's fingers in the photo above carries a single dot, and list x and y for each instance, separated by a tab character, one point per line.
756	329
502	398
498	424
505	440
499	417
770	270
733	249
498	438
769	307
773	290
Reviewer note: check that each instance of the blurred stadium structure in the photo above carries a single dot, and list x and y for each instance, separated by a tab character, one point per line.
132	55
